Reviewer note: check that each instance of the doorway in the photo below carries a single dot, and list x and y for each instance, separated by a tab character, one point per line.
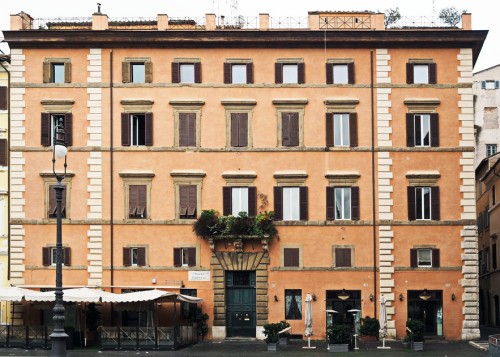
428	309
240	304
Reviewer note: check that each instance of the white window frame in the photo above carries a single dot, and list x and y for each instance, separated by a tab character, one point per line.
425	123
53	256
239	70
341	136
239	200
185	257
489	84
134	261
184	73
421	263
421	191
134	129
491	149
290	73
291	203
421	73
53	118
345	207
340	73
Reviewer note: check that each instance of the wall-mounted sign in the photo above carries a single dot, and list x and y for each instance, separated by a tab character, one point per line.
199	275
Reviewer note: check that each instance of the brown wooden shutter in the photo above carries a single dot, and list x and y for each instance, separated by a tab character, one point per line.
353	129
278	73
435	209
285	129
413	258
126	72
68	128
67	256
301	73
141	256
3	97
435	258
126	257
176	72
409	73
329	129
191	256
149	129
329	73
192	201
343	257
303	200
330	203
133	200
3	152
183	201
47	68
183	129
227	73
294	129
355	203
411	203
249	73
46	256
350	73
432	73
191	129
291	257
52	204
234	129
278	203
67	72
177	257
142	201
252	201
63	202
148	72
45	130
243	129
434	129
410	130
126	129
227	202
197	72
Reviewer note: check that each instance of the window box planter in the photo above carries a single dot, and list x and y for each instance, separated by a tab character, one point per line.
339	347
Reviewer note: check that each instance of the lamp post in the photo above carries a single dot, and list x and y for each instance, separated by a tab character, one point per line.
59	336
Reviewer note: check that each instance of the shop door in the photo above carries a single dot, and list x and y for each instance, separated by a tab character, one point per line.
240	304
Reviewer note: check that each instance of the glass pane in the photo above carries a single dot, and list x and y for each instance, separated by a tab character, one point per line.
187	73
426	130
291	209
239	200
239	73
418	203
424	257
185	257
293	304
427	202
53	252
138	72
133	257
340	74
138	130
58	72
347	203
290	73
338	203
341	129
345	129
490	85
421	73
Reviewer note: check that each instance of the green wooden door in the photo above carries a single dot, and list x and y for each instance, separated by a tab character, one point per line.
240	304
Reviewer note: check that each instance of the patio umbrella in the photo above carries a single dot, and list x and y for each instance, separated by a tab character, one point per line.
383	322
309	320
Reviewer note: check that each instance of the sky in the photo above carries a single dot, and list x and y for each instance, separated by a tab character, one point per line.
484	13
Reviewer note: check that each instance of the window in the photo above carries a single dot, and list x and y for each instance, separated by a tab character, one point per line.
238	73
489	84
239	199
137	200
291	257
49	256
290	203
491	149
137	70
137	189
137	129
342	203
49	122
290	129
52	211
239	129
422	130
293	304
187	201
3	98
56	70
3	152
186	72
421	73
184	257
423	203
340	73
187	122
289	73
424	258
134	256
342	129
187	129
343	257
188	310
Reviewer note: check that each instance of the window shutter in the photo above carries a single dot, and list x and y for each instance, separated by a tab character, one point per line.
46	72
278	73
126	72
3	98
432	73
409	73
413	258
63	202
329	73
67	256
355	203
350	73
243	129
252	201
234	130
191	257
126	257
148	72
329	129
227	201
45	131
285	129
434	129
67	72
227	73
52	205
294	129
175	72
411	203
46	256
142	201
435	258
301	73
435	209
410	130
177	257
343	257
125	129
497	84
183	201
3	152
304	212
353	129
192	201
291	257
191	135
183	129
141	256
330	203
68	128
149	129
133	200
483	84
249	73
278	203
197	72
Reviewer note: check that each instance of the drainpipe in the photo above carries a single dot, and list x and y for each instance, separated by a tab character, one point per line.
111	208
374	216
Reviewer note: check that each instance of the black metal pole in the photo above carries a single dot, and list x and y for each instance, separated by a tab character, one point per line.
59	336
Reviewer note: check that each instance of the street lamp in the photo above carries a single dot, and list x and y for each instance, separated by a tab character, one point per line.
59	152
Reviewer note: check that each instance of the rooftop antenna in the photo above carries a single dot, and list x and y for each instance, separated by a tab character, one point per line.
98	7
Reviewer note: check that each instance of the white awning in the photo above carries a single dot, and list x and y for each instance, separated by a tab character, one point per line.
14	293
150	295
69	295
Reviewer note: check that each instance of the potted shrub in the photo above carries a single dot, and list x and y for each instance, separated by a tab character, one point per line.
285	336
339	337
272	337
415	330
201	324
369	329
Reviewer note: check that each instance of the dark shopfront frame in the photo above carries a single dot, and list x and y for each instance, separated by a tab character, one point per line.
333	302
428	311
